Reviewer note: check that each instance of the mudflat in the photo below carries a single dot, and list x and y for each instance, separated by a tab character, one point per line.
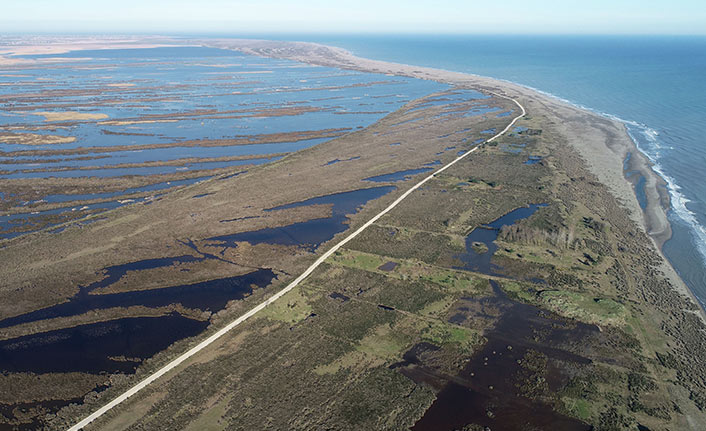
521	287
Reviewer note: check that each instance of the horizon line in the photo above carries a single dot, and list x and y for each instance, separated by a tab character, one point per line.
246	34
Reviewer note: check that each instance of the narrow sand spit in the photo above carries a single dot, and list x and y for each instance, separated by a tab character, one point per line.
10	51
70	116
602	142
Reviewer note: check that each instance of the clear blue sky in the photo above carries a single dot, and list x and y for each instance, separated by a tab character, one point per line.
350	16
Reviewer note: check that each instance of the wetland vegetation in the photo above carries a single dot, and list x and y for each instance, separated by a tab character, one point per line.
502	294
172	115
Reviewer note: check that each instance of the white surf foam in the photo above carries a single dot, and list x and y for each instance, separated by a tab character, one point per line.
652	148
678	200
653	153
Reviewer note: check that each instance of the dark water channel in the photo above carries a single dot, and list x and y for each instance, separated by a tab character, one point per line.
11	221
115	346
212	295
533	160
311	233
119	345
88	348
396	176
478	258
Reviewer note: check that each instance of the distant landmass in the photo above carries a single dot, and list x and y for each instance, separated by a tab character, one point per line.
231	233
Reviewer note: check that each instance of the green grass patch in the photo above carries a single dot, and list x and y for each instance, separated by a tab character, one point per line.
578	408
450	280
440	333
405	295
383	343
519	291
585	308
438	308
356	259
211	419
293	307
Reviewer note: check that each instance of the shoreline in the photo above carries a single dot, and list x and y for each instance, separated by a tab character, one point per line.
632	300
608	166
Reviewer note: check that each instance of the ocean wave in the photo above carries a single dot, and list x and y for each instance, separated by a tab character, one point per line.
678	200
651	148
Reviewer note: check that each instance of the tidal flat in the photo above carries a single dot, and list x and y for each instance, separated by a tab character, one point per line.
571	316
163	112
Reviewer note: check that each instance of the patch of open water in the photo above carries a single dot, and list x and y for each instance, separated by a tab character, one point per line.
115	346
480	261
488	392
311	233
397	176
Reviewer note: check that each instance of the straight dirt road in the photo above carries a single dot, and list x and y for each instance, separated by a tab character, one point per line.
205	343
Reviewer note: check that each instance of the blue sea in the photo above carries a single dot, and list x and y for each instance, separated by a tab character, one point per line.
655	84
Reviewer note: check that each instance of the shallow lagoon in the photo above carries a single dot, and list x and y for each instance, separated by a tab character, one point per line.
311	233
171	95
160	104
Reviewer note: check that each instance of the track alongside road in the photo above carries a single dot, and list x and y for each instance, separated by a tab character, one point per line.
205	343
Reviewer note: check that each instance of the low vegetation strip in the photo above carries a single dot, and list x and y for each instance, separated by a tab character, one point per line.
205	343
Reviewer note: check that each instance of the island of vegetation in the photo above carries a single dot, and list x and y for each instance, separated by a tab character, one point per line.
520	286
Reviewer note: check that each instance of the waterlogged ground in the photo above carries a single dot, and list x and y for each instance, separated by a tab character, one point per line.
472	304
152	97
175	115
503	295
123	127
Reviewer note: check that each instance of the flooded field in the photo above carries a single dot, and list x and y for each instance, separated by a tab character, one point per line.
182	112
480	243
482	393
310	233
234	172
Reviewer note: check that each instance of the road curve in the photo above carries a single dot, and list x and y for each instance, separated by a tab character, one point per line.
205	343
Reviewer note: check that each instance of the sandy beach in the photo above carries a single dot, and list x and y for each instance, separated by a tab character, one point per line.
602	142
612	276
